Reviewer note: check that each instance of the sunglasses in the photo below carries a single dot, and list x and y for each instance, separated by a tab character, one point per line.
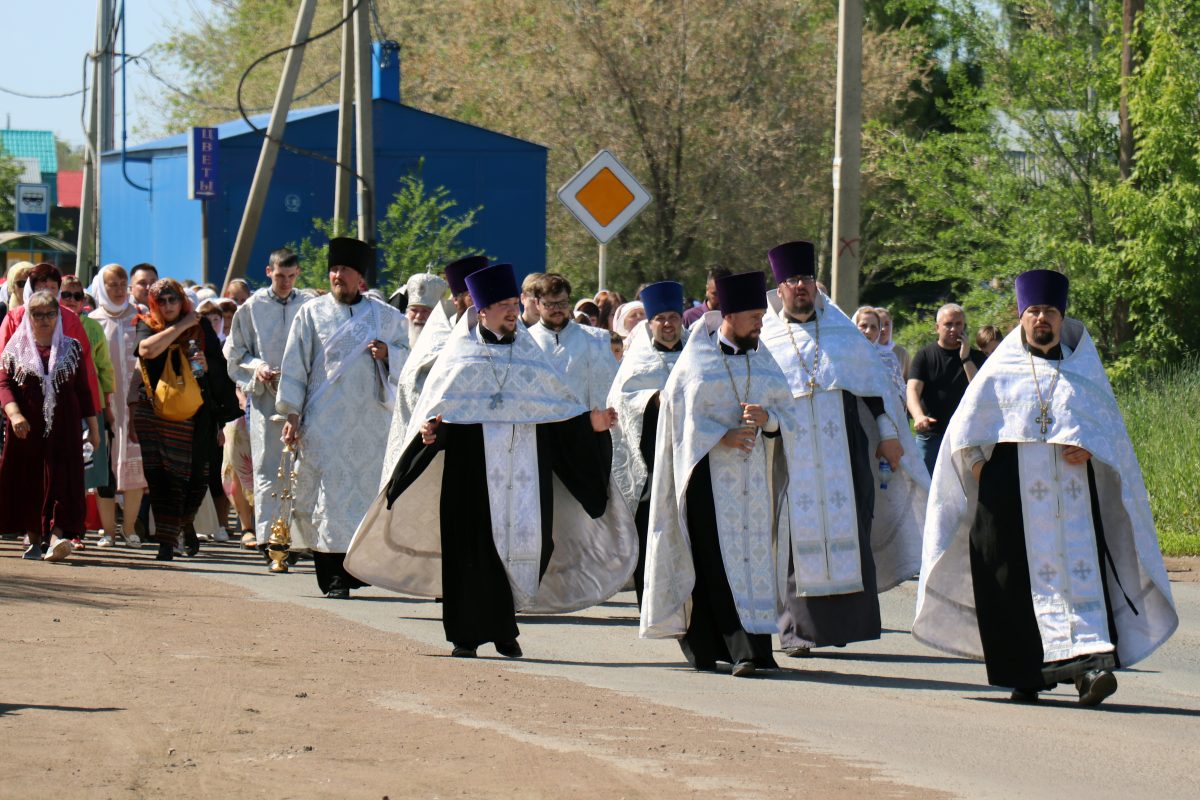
44	316
565	304
71	295
165	299
796	280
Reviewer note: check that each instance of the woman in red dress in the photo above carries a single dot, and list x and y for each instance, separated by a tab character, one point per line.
46	397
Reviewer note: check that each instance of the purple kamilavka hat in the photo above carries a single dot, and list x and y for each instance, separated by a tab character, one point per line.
457	272
793	258
492	284
1041	287
746	291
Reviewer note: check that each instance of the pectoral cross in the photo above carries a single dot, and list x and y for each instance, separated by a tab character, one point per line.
497	400
1045	420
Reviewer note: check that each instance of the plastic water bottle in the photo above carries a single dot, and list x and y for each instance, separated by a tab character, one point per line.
193	360
885	472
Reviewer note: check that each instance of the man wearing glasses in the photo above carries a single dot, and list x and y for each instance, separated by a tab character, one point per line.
581	352
856	489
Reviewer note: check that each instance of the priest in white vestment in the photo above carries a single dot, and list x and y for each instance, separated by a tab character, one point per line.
1041	555
424	291
857	490
438	325
254	354
715	571
502	500
652	348
336	388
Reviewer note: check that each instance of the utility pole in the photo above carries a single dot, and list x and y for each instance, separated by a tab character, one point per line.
343	178
363	126
847	156
99	139
240	257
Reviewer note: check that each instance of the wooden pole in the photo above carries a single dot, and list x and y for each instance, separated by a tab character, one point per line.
364	132
240	257
343	179
847	156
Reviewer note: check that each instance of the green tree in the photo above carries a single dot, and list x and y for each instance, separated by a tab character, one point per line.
419	230
9	172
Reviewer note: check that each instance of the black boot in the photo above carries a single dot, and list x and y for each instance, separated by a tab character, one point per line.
166	552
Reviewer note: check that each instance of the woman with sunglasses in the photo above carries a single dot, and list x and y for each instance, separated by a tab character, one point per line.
178	455
46	398
14	287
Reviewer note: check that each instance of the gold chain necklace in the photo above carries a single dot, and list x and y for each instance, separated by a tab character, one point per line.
811	372
1044	419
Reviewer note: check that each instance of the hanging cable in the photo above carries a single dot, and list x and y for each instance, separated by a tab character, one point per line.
292	148
125	108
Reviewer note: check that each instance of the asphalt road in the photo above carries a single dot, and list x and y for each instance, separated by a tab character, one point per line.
920	717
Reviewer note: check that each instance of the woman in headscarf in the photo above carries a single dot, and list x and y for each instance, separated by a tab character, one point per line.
177	456
14	285
46	397
117	317
628	315
870	322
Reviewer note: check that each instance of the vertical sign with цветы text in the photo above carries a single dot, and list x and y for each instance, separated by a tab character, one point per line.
202	163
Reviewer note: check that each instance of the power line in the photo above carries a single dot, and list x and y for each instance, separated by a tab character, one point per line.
16	93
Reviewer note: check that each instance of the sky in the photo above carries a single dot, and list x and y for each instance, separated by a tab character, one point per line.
46	57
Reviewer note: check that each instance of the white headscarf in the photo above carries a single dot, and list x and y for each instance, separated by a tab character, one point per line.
620	323
22	360
103	301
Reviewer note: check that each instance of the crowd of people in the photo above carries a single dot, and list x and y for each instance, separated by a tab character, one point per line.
756	465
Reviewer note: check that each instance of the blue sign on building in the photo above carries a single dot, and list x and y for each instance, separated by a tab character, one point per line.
202	163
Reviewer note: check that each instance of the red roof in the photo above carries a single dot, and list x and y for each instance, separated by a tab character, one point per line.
70	188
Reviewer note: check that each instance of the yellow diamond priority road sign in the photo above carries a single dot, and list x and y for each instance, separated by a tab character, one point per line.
604	196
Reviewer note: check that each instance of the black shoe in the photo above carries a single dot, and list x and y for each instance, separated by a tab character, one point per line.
461	651
191	542
338	593
166	552
1095	686
1024	696
743	669
509	649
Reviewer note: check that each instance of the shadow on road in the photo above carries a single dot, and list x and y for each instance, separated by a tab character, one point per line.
14	708
1107	708
878	681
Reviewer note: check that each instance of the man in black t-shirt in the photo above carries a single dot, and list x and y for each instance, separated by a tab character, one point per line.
938	379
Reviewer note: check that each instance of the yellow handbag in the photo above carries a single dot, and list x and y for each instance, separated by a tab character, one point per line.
177	396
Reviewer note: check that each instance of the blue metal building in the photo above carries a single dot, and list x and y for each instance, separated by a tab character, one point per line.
159	224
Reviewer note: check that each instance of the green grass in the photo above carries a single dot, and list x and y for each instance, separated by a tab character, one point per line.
1161	414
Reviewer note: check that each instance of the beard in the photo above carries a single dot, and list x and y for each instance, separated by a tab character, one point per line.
747	342
343	294
800	308
1043	337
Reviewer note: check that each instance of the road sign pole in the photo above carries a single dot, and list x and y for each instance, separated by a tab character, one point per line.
602	278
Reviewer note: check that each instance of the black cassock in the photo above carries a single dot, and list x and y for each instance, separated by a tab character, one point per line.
477	602
641	518
843	618
1012	643
715	631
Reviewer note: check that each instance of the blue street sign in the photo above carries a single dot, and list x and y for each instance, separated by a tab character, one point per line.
33	208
